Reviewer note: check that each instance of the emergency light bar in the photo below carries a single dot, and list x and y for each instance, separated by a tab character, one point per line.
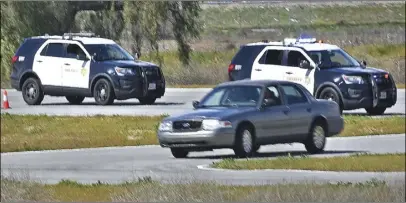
302	39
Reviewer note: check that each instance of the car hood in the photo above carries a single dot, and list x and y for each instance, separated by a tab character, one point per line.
207	113
368	70
126	63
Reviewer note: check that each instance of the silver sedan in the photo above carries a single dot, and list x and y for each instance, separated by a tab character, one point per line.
243	115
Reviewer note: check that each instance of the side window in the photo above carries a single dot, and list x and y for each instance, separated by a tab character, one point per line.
294	58
215	98
271	57
294	95
73	51
53	50
272	96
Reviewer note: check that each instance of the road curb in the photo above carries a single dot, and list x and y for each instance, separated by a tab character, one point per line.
158	146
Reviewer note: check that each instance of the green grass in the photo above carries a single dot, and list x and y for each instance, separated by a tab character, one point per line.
31	133
225	17
362	162
150	191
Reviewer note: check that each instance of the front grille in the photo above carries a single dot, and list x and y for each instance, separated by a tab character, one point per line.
187	125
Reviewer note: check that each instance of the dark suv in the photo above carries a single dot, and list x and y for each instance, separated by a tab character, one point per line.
79	65
326	70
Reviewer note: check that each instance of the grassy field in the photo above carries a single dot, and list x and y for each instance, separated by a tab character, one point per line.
361	162
150	191
228	17
28	133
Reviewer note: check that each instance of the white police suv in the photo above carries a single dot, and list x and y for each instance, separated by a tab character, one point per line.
79	65
326	70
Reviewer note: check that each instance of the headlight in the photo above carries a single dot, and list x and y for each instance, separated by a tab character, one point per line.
165	126
215	124
123	71
353	79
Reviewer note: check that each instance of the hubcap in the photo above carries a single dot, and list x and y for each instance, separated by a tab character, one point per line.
247	141
101	93
318	136
329	96
31	91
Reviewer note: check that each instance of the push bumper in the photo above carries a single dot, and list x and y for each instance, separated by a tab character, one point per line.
356	97
126	88
198	139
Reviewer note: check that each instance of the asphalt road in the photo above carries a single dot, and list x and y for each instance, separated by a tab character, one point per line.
175	101
118	164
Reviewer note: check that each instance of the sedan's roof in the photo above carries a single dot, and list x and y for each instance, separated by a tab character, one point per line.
253	83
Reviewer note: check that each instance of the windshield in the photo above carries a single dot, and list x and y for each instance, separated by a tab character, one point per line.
336	58
234	96
107	52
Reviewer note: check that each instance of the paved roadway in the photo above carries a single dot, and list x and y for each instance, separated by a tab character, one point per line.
116	164
175	101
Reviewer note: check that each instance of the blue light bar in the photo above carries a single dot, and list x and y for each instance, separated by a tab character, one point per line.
305	38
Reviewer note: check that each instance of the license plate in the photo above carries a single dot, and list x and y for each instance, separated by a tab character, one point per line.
382	95
152	86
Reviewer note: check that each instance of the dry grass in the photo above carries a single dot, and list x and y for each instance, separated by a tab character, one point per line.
31	133
149	191
359	162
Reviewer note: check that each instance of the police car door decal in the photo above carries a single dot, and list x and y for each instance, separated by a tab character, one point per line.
299	75
76	67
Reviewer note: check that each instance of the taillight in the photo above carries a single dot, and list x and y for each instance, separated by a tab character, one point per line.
231	68
14	59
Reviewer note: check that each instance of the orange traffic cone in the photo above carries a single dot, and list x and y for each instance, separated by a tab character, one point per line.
6	105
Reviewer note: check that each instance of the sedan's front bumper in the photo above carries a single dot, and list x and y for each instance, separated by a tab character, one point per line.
200	139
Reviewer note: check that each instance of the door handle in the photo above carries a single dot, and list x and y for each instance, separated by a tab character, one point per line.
286	112
288	73
257	69
309	109
67	64
39	61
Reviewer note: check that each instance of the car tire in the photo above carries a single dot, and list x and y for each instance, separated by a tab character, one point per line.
244	142
330	93
147	100
32	91
75	99
375	111
316	140
103	92
179	153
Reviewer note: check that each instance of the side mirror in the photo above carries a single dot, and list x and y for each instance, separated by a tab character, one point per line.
82	57
364	63
305	64
195	104
137	56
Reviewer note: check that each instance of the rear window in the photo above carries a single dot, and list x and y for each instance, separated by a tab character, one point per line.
29	47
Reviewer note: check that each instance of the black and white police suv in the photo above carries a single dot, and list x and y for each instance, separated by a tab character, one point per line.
326	70
79	65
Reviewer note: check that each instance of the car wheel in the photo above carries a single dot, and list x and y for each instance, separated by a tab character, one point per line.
32	92
103	92
316	140
75	99
331	94
244	142
147	100
179	153
375	111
